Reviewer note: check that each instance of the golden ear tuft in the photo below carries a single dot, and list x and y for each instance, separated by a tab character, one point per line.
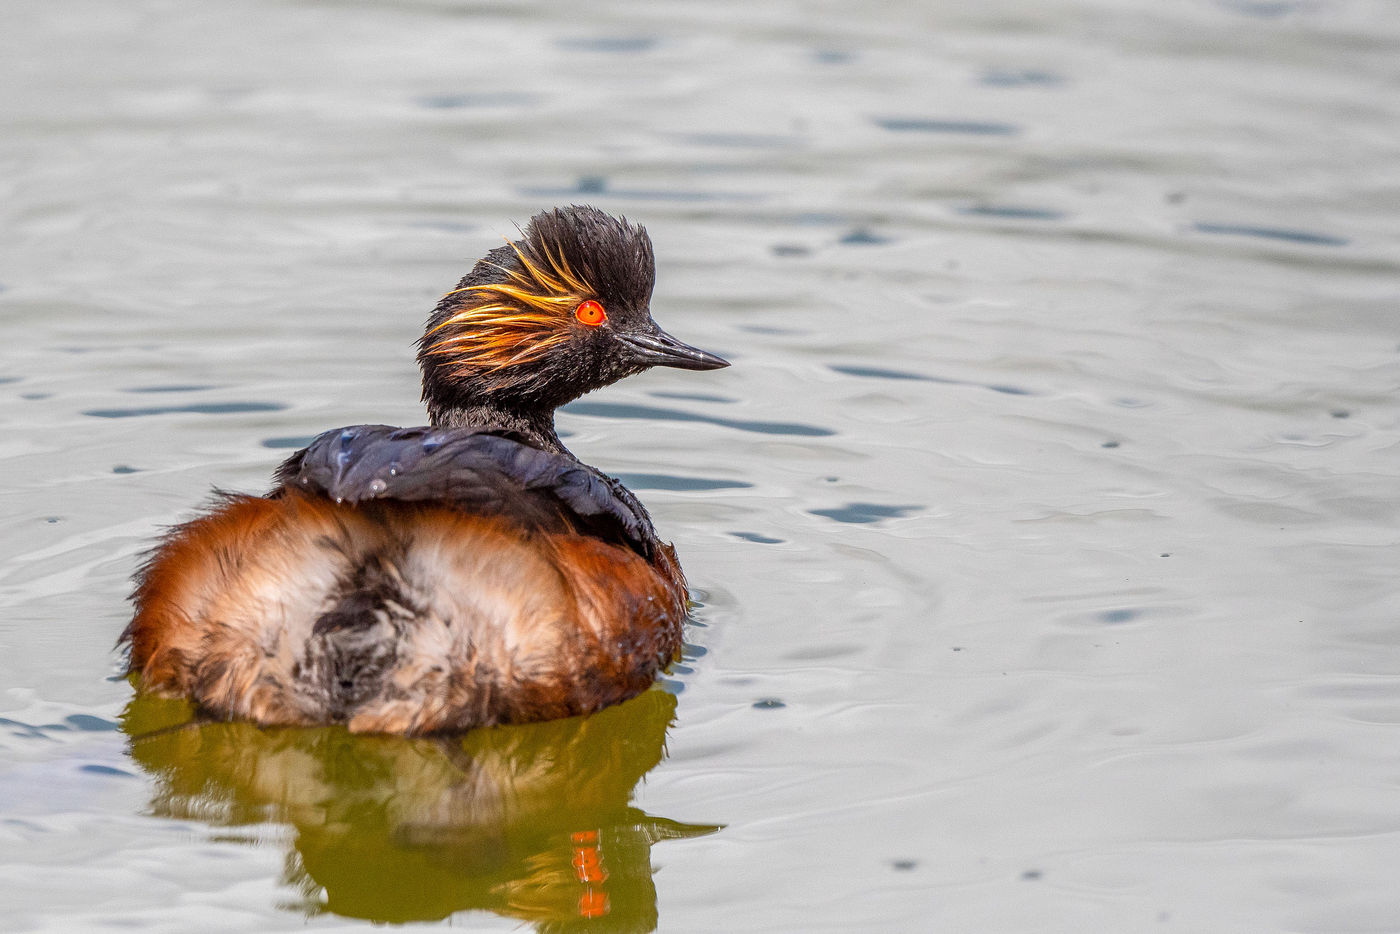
518	320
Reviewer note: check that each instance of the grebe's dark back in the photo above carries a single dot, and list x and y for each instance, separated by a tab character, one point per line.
467	573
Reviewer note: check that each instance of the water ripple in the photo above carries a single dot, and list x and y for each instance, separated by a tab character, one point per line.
1019	78
863	237
204	408
288	441
861	513
461	101
1012	212
187	388
695	397
592	186
966	127
882	373
742	140
629	410
665	481
1272	233
756	538
81	722
616	45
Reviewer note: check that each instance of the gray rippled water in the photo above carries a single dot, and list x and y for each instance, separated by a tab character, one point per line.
1044	529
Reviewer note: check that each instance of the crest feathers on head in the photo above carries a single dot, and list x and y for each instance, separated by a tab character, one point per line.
517	304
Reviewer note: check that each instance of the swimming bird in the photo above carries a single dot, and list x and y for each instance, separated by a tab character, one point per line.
465	573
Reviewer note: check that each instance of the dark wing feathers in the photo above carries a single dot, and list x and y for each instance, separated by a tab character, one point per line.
476	471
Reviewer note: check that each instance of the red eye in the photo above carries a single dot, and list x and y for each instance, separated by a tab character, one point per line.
590	313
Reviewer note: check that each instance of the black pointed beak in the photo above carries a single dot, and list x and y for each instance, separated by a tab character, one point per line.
657	348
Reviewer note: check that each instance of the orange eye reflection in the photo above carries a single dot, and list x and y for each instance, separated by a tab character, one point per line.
590	313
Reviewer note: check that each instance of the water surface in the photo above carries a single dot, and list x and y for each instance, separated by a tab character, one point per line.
1044	530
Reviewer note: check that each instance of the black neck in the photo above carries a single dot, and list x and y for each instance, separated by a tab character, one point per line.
535	426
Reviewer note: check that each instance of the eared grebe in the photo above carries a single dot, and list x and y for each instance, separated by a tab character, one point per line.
471	572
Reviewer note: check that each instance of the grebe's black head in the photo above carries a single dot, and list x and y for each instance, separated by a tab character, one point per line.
543	320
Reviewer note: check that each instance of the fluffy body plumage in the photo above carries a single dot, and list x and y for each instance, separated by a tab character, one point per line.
468	573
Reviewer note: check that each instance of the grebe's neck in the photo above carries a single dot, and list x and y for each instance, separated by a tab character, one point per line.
535	426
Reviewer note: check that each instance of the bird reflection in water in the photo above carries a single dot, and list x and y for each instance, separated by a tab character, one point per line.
531	822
